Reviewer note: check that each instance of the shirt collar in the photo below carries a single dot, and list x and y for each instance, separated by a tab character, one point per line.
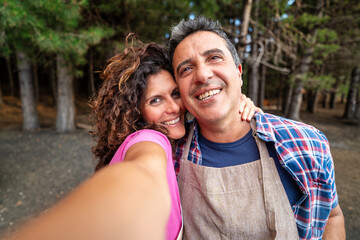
264	128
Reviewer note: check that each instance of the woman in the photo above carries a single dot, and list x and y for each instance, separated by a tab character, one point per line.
138	93
137	104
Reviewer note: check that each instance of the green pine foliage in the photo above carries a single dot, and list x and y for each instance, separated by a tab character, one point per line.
44	28
51	27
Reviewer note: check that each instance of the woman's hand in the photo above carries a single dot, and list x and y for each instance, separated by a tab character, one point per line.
247	108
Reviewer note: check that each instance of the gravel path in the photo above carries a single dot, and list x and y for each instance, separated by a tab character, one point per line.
38	169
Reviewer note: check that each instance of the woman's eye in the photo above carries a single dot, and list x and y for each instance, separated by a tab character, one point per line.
176	94
154	100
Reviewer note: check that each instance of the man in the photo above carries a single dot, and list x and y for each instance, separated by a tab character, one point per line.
273	178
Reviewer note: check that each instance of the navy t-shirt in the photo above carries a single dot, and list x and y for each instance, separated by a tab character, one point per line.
243	151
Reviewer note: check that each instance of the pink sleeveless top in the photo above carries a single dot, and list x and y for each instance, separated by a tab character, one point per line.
174	222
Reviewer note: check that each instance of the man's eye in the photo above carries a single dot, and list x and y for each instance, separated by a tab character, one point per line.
215	57
184	70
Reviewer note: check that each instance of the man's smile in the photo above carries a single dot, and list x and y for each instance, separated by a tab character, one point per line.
208	94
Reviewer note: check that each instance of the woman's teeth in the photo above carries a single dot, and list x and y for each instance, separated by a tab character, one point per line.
172	121
208	94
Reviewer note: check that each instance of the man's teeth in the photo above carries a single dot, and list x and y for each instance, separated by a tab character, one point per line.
208	94
172	121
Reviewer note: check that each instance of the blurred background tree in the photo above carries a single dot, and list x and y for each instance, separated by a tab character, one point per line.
298	55
38	32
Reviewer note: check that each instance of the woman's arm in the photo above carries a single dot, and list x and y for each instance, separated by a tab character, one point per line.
128	200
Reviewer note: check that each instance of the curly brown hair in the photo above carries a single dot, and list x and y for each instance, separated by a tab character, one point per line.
116	108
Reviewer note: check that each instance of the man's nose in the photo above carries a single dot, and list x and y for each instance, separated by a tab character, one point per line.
203	73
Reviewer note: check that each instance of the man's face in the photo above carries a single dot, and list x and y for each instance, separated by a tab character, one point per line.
209	81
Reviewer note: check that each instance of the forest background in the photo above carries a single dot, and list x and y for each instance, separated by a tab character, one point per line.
300	58
290	50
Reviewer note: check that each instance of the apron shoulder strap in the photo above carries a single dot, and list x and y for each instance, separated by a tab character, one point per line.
188	143
260	143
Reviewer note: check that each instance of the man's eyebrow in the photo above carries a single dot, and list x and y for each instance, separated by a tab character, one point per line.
206	53
182	64
211	51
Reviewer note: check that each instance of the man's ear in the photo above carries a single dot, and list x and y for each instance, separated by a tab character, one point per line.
240	69
240	72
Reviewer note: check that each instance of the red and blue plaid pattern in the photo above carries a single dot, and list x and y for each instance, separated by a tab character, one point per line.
304	152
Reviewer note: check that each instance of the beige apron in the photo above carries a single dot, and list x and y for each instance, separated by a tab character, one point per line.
246	201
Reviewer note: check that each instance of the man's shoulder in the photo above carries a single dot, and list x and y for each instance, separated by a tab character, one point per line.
272	125
278	122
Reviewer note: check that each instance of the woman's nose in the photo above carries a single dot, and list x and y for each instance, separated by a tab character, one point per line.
172	106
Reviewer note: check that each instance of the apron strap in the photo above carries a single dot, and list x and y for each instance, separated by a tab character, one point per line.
188	143
264	154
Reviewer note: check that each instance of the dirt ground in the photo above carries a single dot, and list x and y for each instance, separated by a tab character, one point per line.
39	168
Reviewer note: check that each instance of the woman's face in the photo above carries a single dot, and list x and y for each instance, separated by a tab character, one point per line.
161	104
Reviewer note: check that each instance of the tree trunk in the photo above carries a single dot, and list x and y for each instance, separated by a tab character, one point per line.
244	27
255	61
11	78
1	97
312	100
254	83
294	112
295	106
308	99
262	82
65	119
357	114
287	98
350	107
36	82
52	71
262	87
324	100
279	104
332	103
91	74
30	117
342	100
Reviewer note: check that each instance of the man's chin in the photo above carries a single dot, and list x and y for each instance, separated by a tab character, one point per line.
209	116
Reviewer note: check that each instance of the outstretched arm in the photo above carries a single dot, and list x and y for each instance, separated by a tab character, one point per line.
335	227
128	200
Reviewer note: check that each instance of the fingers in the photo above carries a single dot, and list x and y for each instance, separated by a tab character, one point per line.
248	113
245	114
243	97
242	106
247	108
257	109
243	102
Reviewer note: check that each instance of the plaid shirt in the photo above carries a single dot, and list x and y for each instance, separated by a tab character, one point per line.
304	152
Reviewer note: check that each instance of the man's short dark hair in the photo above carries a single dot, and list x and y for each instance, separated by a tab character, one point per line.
187	27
